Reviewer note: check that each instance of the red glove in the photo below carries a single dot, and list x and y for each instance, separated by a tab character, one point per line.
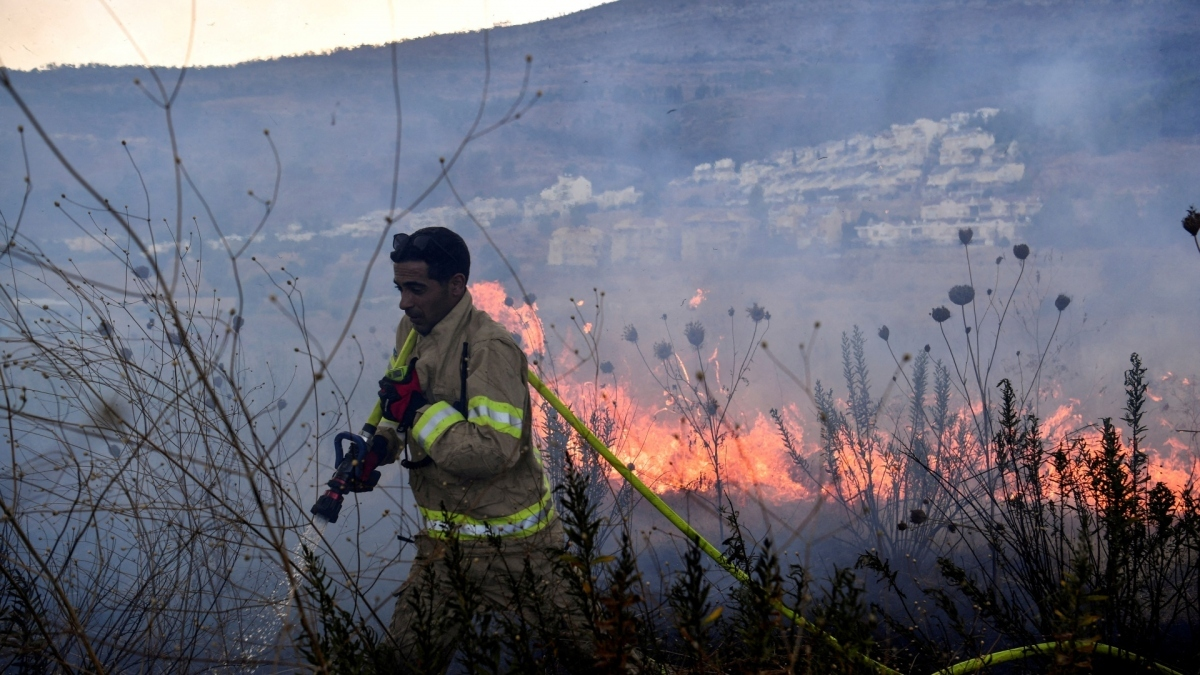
377	455
400	399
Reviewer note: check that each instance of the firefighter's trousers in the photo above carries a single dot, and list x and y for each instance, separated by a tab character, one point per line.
513	582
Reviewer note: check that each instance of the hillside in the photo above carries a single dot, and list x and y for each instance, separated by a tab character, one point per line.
770	250
636	93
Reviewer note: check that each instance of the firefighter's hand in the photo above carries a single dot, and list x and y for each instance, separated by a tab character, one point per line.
400	399
385	445
378	454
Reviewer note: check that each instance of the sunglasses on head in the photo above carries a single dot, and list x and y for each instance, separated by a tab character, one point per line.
402	241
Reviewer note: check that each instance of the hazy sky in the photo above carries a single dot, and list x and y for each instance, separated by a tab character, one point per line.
35	33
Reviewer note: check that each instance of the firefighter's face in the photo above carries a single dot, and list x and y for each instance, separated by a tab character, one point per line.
426	301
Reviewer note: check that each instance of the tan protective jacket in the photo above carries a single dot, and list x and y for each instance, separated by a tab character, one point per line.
486	477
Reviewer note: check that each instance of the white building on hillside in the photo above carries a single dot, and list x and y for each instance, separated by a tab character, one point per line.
577	246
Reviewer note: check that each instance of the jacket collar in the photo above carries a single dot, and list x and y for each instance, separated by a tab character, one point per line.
454	322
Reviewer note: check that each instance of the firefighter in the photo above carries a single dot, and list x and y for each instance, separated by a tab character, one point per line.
464	399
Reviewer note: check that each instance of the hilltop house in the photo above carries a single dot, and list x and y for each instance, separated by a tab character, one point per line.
716	236
644	240
577	246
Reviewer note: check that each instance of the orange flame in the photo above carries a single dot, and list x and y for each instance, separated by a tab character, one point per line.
522	322
665	452
670	456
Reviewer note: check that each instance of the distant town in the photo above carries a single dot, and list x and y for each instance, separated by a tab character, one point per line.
913	184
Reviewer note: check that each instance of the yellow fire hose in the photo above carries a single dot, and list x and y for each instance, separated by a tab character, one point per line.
684	526
969	666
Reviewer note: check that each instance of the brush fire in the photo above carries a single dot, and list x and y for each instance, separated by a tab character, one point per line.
671	455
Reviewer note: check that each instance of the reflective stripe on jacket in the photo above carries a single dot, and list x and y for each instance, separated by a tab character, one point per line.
482	410
486	478
520	524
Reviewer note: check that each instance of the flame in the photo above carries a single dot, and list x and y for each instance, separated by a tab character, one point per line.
1172	462
764	465
1064	420
697	298
671	456
522	322
1176	469
664	451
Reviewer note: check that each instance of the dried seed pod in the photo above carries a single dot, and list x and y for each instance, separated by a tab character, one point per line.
663	350
1191	222
757	313
962	295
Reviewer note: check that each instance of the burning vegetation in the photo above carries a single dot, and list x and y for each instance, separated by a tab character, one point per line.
151	516
1091	533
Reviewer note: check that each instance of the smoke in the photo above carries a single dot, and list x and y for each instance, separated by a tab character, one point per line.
1096	104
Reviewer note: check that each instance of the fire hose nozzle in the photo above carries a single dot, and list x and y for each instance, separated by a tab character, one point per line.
345	477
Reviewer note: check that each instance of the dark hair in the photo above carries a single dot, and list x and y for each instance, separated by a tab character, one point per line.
443	250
